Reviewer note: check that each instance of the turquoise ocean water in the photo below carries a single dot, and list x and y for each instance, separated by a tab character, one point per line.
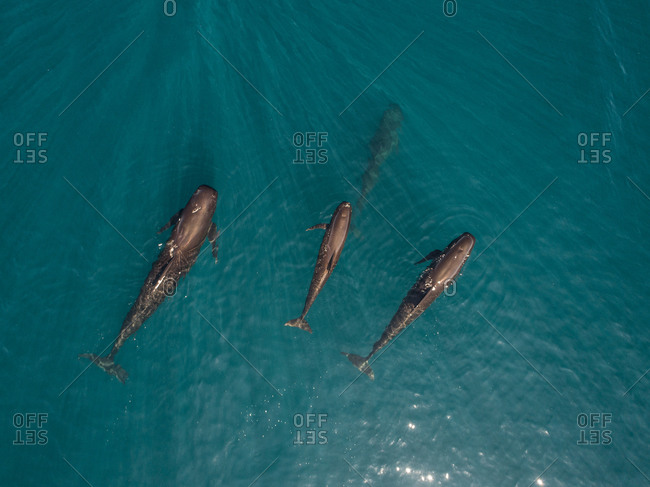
506	383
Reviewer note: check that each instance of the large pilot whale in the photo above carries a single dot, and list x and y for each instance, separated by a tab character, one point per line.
382	145
446	267
192	225
336	231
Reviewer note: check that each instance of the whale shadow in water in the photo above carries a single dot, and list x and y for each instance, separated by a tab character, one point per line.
384	142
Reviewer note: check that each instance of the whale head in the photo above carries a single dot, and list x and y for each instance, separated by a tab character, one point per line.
196	218
344	210
341	222
454	257
464	244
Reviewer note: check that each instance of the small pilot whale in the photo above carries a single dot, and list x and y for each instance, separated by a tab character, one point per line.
446	266
382	145
192	225
328	255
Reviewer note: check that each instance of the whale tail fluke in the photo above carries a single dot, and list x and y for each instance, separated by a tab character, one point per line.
360	363
299	323
107	365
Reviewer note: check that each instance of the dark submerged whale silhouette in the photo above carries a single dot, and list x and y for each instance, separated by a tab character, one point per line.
382	145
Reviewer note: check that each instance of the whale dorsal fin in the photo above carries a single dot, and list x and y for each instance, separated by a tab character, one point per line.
320	226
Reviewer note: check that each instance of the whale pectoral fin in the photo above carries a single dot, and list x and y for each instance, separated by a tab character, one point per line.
320	226
430	256
172	221
213	235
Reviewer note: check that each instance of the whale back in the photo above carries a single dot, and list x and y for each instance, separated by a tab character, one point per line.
338	232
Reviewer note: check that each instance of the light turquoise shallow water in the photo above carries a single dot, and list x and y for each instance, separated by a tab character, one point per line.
488	387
